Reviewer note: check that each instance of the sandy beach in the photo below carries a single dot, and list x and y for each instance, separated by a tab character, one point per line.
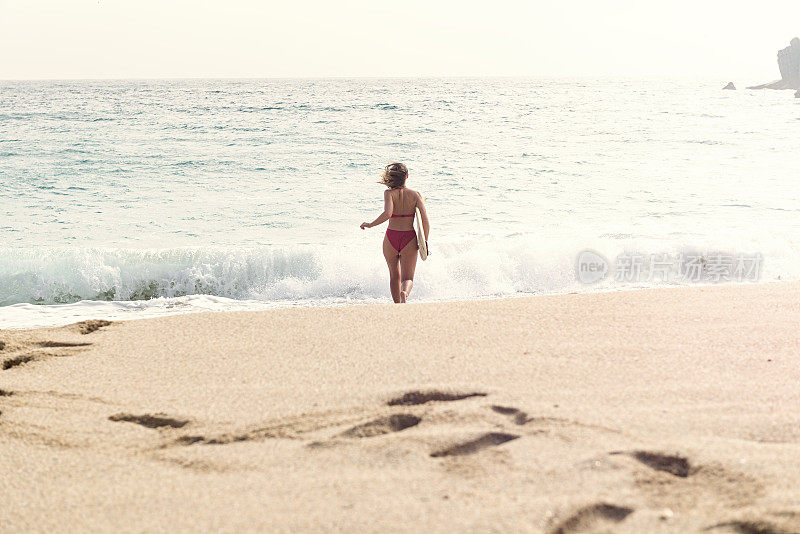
665	410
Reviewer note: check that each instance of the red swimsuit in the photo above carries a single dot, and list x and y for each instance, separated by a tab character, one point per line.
400	238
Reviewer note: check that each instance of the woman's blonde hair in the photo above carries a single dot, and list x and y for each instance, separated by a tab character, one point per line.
394	175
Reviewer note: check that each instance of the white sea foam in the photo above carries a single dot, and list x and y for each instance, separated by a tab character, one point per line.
64	285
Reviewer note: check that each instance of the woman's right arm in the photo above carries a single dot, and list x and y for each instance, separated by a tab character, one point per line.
426	225
388	208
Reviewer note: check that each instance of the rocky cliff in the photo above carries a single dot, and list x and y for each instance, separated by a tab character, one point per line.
789	65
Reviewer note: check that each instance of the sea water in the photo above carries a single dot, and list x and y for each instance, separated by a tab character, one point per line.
127	199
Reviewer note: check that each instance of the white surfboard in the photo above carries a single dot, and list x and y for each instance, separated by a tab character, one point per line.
423	246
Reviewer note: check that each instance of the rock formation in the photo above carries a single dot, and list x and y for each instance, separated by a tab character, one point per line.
789	65
730	86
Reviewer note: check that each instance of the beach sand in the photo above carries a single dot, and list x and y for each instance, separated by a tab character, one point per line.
670	410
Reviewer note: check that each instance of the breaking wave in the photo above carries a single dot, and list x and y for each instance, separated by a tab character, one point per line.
139	281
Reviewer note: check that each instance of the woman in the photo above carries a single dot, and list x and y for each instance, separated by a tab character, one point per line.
400	244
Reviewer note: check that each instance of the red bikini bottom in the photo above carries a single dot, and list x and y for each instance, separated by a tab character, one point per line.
400	238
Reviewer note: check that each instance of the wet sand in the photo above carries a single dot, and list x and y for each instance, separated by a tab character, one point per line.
670	410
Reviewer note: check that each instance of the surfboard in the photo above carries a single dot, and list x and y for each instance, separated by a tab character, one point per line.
423	246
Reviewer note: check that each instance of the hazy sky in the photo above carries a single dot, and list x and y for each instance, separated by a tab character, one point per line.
730	40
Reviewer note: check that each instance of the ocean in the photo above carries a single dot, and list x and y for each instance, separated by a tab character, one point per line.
139	198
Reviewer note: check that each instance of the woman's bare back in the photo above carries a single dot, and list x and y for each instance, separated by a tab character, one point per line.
404	202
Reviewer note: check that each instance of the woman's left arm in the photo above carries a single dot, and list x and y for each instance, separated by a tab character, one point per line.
388	208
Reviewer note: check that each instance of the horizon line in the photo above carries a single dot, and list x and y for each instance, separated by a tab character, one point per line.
376	77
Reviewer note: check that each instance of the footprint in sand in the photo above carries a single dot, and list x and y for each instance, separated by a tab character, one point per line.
380	426
414	398
592	517
38	354
492	439
672	464
384	425
750	527
675	482
189	440
150	421
87	327
18	360
54	344
518	416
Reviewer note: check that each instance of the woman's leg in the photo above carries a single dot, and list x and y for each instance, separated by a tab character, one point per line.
394	268
408	264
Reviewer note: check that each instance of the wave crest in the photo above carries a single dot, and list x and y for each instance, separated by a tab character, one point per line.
474	268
